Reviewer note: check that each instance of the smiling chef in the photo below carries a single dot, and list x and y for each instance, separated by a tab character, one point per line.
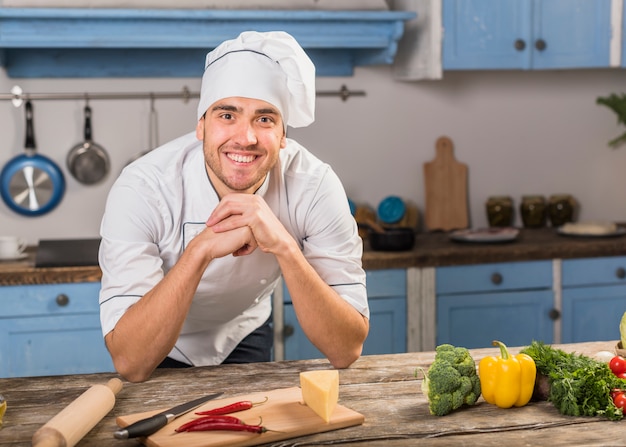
197	232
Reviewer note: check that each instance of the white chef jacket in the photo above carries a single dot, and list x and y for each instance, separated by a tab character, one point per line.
161	201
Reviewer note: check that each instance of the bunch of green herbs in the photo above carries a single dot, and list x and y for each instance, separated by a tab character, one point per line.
579	385
617	103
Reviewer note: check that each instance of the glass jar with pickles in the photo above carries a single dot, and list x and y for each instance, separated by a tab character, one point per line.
533	210
561	209
500	211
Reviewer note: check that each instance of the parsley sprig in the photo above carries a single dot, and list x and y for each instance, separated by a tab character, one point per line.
579	385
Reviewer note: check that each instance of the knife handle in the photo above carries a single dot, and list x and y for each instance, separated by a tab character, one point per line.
144	427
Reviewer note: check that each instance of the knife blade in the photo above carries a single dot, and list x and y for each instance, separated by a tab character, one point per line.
148	426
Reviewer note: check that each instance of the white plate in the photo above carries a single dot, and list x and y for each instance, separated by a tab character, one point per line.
14	257
620	231
485	235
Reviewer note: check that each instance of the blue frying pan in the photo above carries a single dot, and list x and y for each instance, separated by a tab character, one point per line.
31	184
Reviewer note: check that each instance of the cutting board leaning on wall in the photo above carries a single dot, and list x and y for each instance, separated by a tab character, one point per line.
445	189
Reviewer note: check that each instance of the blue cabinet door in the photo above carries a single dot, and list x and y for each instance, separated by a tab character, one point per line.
481	34
387	331
524	34
576	33
51	330
42	346
594	298
475	320
592	313
386	291
509	301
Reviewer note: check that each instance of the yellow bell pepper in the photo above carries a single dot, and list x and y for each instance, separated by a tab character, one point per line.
507	380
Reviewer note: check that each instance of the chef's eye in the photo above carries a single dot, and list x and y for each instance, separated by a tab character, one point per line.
227	116
266	120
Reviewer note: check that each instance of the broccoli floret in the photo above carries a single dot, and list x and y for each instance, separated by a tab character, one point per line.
451	381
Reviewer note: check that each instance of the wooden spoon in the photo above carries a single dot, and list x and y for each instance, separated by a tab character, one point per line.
374	225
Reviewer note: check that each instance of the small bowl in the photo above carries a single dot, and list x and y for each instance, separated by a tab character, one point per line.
619	350
393	239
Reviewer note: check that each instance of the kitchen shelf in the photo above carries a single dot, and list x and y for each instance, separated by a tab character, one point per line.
103	42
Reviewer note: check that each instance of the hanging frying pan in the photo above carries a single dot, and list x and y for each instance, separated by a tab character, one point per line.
31	184
88	162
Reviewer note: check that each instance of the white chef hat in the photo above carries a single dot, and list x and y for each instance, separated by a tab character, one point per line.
269	66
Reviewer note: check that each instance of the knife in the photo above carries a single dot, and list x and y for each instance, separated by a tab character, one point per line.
148	426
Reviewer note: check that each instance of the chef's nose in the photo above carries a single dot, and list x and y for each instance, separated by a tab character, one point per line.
246	135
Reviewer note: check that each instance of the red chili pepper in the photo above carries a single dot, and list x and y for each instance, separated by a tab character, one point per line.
211	426
232	408
206	419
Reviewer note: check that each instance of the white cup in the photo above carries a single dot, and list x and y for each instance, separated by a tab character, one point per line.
11	247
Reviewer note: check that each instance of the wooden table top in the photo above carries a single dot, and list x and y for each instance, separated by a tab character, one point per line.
383	388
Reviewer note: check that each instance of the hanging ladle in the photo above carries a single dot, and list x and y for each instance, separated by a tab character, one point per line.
153	131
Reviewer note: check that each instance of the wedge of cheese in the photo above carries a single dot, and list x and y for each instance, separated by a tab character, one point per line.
320	391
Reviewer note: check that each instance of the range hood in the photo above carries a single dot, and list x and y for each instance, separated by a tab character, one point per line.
103	42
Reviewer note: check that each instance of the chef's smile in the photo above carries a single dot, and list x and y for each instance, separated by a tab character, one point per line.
241	158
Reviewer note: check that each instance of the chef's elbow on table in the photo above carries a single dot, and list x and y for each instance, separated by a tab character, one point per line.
196	233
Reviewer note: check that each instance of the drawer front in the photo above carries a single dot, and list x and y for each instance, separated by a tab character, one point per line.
389	283
594	271
49	299
493	277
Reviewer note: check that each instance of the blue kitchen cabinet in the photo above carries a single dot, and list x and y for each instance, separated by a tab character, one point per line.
51	329
511	302
594	298
386	291
526	34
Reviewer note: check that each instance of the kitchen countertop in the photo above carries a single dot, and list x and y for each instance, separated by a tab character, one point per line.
437	250
382	388
431	250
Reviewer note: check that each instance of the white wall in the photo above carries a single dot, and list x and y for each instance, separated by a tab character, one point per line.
519	132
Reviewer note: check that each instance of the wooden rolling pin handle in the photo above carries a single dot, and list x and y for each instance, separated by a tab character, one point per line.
74	421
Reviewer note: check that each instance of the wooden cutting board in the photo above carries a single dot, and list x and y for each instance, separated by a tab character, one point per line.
283	412
445	189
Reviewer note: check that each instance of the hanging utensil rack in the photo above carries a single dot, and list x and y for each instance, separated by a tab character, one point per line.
17	95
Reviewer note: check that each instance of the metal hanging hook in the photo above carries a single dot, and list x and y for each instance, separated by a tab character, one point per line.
17	93
154	125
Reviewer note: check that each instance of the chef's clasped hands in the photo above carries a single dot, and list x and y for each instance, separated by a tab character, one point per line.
240	224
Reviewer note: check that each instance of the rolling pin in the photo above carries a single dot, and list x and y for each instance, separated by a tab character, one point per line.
74	421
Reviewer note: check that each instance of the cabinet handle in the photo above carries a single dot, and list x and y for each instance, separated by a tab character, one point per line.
288	331
63	300
540	44
520	45
620	273
554	314
496	278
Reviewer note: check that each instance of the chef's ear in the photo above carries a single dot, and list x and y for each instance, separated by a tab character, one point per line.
200	128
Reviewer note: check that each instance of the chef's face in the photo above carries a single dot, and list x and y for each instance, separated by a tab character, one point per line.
242	138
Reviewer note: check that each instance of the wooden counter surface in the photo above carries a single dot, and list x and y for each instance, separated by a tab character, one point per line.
23	272
437	250
383	388
431	250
